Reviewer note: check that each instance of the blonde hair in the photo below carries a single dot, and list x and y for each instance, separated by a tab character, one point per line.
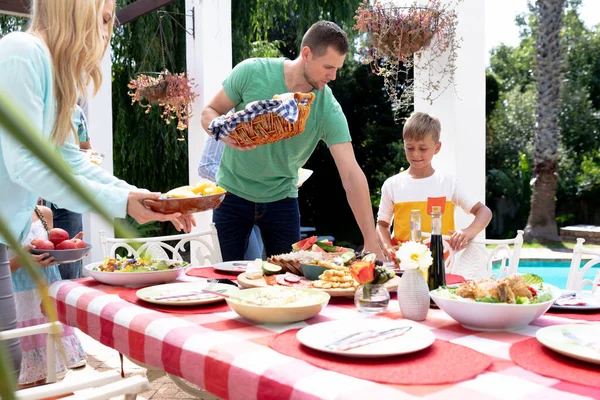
420	125
72	33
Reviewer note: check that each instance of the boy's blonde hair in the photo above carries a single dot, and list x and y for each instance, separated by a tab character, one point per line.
420	125
72	33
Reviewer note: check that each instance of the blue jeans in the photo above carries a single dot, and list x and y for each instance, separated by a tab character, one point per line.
279	223
72	223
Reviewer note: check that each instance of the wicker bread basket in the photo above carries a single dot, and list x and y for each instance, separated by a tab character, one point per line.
270	127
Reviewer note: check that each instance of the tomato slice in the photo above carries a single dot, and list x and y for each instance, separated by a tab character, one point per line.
532	290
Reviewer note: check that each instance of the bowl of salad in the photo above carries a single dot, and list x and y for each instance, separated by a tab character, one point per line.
496	305
124	271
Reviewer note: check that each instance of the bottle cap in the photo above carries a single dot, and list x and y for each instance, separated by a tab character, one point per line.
436	210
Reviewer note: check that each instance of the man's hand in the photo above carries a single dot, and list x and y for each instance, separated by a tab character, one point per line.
233	144
42	260
185	223
460	239
373	247
143	214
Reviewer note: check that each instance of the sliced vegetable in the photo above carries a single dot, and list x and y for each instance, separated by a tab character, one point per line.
531	279
270	269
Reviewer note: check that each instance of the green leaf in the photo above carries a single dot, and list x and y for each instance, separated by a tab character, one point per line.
531	279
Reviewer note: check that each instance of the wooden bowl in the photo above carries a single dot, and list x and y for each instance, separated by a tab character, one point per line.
186	205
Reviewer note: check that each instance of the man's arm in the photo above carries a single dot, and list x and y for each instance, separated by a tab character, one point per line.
357	193
220	105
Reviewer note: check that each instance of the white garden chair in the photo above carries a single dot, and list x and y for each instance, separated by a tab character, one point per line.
102	386
205	248
105	384
476	260
576	272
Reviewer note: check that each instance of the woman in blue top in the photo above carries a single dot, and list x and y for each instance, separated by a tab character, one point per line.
44	71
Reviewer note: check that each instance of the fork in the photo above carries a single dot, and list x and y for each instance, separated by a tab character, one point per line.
592	345
206	289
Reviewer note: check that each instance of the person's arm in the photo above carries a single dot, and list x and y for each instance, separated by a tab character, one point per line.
384	216
220	105
357	192
461	237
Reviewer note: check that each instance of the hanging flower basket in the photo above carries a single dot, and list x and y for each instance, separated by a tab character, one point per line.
395	38
173	92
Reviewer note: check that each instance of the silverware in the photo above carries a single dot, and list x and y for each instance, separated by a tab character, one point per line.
211	284
592	345
362	338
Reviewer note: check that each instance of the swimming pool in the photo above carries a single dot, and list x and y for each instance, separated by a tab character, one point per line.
554	272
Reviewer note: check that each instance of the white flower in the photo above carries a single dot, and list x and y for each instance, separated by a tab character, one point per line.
412	255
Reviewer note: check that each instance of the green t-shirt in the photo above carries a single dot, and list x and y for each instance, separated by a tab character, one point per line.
270	172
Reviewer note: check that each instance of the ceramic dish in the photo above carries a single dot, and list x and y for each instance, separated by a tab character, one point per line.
133	278
232	266
579	341
325	337
184	294
309	302
185	205
65	256
591	304
493	316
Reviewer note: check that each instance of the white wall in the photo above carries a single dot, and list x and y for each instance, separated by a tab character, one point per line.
99	115
209	62
462	113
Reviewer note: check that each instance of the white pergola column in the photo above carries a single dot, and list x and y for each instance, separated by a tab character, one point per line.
99	115
208	56
462	113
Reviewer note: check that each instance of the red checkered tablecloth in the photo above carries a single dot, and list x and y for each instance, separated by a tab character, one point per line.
230	356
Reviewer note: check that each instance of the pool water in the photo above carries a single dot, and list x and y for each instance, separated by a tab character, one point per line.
554	272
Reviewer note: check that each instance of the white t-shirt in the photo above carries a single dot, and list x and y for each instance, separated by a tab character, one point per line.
401	193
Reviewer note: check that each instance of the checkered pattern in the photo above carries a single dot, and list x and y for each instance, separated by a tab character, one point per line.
230	357
224	125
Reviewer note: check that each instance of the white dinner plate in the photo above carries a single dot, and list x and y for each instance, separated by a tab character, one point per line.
579	341
184	294
233	266
591	304
319	336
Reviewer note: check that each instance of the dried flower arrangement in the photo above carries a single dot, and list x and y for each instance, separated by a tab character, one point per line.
173	92
398	38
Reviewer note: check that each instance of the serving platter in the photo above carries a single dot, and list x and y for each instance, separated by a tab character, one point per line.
243	280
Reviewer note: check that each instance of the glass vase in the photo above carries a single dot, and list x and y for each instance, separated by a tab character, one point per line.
372	299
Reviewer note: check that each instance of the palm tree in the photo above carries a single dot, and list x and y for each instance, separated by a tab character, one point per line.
541	223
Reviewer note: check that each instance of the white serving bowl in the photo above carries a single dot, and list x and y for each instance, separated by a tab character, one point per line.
481	316
133	278
278	314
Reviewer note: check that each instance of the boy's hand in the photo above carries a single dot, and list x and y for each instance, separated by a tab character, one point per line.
460	239
42	260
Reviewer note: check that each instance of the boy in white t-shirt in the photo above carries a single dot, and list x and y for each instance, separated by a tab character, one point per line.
411	189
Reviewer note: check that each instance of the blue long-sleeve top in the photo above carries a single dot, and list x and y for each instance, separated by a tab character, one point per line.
26	77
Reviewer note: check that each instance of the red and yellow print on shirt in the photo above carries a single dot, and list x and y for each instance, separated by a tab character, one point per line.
402	217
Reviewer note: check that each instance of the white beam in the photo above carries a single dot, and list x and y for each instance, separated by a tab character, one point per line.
462	113
208	55
99	115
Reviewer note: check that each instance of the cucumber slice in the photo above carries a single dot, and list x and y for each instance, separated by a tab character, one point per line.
531	279
270	269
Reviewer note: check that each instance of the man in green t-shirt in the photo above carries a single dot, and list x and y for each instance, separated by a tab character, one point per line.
261	181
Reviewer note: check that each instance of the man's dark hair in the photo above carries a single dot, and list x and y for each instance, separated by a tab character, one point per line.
324	34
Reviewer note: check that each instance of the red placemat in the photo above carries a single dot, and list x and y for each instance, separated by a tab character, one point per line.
442	362
586	316
451	279
129	295
533	356
211	273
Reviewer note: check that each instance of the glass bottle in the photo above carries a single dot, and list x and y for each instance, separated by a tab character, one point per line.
415	226
437	272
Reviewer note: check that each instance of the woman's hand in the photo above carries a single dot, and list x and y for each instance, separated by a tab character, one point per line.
41	260
141	213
